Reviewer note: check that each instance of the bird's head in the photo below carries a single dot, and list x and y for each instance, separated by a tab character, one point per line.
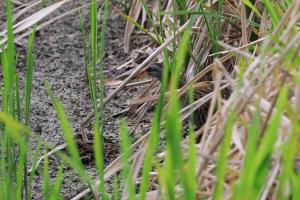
155	70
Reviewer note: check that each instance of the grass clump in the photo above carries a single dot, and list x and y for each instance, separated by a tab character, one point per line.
242	56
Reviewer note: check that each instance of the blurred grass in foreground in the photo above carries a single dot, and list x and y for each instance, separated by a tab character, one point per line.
249	147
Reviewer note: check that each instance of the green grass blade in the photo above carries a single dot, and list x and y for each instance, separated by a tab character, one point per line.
32	174
98	127
116	189
174	160
3	168
74	159
264	152
28	88
153	143
182	5
154	132
20	172
65	126
272	11
84	45
191	166
94	32
222	160
6	178
149	16
10	57
94	49
46	183
14	128
29	74
101	63
57	185
98	151
126	17
288	176
244	185
5	72
78	168
252	7
217	31
126	172
154	139
18	98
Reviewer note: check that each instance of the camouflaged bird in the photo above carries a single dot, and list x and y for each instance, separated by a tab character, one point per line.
155	70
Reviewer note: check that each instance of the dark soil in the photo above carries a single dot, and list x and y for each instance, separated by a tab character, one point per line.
60	60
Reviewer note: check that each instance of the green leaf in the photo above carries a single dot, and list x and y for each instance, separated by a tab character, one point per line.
250	5
30	65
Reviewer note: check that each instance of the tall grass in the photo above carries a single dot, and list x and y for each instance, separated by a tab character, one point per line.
12	166
249	149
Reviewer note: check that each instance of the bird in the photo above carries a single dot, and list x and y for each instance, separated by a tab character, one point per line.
155	70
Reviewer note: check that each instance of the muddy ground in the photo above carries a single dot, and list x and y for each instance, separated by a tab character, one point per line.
60	60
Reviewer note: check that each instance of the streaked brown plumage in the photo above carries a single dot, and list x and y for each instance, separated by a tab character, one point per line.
155	70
